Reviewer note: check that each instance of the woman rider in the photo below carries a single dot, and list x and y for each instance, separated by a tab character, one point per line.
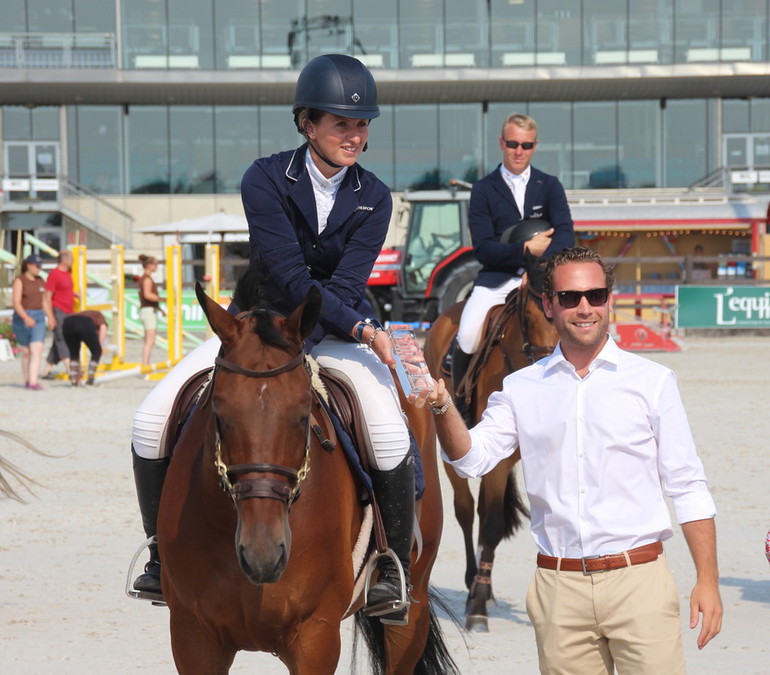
316	218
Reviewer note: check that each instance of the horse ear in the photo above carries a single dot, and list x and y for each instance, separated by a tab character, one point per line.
305	317
221	321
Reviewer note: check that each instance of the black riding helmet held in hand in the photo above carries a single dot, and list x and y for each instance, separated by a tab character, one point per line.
337	84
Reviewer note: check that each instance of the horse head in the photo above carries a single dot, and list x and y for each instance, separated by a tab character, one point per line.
261	406
537	331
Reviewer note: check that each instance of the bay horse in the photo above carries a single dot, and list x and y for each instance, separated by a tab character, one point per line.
266	565
521	334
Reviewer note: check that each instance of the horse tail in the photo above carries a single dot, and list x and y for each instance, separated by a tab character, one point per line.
435	659
515	511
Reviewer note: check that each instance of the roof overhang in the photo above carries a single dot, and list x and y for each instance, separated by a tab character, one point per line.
407	86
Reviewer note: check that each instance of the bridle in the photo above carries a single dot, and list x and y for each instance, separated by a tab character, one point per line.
532	352
231	477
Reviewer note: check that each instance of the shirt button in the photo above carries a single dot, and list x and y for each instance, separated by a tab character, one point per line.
580	454
582	491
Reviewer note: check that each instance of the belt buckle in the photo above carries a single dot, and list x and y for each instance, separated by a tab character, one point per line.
591	557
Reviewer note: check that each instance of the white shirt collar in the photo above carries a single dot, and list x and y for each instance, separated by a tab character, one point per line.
318	178
609	354
511	177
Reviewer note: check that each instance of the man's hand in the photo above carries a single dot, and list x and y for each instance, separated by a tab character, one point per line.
539	243
705	600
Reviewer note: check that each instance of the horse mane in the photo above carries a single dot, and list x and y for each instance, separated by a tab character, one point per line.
257	294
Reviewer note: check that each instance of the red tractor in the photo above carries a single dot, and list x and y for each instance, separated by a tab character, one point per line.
435	267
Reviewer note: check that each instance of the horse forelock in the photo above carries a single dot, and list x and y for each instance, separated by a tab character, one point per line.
268	326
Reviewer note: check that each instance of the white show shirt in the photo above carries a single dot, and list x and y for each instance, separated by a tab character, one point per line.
597	452
324	189
517	185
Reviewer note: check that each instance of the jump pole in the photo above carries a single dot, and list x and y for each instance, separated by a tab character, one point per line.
174	302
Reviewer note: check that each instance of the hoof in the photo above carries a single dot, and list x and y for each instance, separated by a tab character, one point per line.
476	623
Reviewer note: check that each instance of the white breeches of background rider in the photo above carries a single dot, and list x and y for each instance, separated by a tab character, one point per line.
479	302
359	365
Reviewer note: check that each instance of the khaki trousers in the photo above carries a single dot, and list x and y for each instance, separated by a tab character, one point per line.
626	618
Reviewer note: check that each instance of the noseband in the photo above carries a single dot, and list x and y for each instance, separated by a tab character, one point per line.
532	352
240	488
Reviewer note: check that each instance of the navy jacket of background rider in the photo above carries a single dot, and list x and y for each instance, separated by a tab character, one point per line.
280	208
493	210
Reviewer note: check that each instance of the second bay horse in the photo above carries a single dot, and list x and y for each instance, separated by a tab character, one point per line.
265	564
522	334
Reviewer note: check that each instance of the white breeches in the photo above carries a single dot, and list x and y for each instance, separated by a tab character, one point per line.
479	302
359	365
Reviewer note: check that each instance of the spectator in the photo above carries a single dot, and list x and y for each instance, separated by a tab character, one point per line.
87	327
149	305
61	296
30	309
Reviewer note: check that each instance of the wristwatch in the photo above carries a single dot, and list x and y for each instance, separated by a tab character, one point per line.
359	334
442	409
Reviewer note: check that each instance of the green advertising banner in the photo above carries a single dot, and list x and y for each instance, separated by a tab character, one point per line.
723	306
193	319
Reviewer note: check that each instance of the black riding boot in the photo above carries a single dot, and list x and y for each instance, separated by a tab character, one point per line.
394	491
149	475
460	363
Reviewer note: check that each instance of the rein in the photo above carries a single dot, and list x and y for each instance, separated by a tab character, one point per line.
266	488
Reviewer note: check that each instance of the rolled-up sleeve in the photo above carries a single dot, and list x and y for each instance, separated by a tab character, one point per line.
681	471
493	439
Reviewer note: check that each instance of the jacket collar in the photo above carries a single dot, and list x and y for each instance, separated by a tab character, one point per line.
296	168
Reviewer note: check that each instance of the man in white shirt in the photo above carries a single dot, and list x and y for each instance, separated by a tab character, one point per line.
603	435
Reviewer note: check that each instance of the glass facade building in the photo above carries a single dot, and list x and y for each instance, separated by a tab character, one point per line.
179	96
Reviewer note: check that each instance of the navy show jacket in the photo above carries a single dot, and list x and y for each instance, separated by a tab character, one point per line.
492	210
280	208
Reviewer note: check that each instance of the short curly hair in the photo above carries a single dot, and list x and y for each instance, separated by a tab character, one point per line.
576	254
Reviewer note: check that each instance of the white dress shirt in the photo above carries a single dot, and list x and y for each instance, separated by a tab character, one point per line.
324	189
597	452
517	185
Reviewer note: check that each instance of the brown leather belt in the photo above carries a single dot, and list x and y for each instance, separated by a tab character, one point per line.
602	563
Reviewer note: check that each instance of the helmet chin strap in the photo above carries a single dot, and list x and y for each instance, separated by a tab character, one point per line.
323	157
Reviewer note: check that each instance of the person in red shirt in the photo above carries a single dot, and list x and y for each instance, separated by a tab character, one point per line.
60	293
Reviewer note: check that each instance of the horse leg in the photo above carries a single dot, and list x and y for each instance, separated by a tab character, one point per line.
404	645
314	649
494	525
464	507
198	650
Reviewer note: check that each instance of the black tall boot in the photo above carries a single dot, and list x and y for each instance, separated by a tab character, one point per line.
394	491
149	475
460	363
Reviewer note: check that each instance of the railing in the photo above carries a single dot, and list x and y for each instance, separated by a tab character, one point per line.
58	50
82	205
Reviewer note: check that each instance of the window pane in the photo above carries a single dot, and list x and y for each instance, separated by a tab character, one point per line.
327	29
14	16
760	114
595	146
650	27
604	29
466	32
17	123
379	157
639	143
685	142
417	163
94	147
45	124
554	147
190	33
144	30
462	157
421	32
735	116
696	30
147	144
49	16
280	21
276	130
237	144
237	33
94	16
559	31
743	27
374	31
512	33
192	149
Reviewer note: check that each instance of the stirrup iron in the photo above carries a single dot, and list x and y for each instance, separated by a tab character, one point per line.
390	606
156	598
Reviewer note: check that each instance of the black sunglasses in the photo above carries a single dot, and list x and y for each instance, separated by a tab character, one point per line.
596	297
515	144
